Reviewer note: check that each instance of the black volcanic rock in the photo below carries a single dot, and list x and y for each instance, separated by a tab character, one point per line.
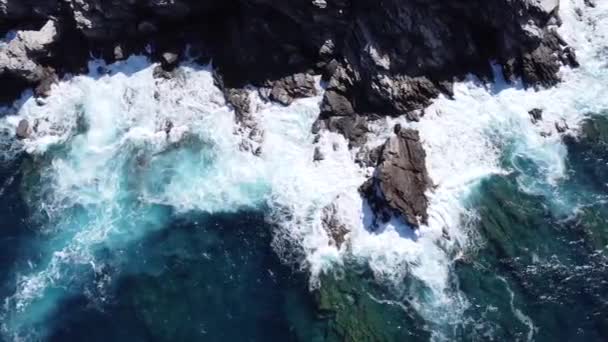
401	179
385	57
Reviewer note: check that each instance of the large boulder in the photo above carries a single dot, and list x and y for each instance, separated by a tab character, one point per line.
401	179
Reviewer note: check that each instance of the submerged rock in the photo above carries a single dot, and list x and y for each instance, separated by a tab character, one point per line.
401	179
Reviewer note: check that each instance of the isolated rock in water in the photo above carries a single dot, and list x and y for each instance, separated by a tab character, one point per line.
536	115
331	222
292	87
23	129
169	60
561	126
401	179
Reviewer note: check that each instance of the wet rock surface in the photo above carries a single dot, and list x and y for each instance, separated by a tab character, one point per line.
401	179
23	130
385	57
292	87
536	115
331	222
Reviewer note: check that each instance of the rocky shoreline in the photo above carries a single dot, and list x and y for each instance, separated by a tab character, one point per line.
377	58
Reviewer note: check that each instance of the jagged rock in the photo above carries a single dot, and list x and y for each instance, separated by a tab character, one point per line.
160	72
540	67
292	87
536	115
48	79
336	104
23	130
147	27
367	157
20	56
331	222
568	57
401	179
118	53
388	57
353	128
256	135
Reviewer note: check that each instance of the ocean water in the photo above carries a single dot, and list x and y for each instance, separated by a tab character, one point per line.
134	213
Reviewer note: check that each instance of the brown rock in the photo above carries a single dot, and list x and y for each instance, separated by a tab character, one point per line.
401	179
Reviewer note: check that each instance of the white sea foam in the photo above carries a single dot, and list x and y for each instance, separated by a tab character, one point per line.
465	139
127	112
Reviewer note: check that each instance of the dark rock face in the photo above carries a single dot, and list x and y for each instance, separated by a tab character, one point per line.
401	179
388	57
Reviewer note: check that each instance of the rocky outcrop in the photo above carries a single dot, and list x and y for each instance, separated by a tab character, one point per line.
382	57
292	87
376	58
401	179
20	56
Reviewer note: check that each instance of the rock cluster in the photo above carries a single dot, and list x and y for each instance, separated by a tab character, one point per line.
376	58
20	59
383	57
